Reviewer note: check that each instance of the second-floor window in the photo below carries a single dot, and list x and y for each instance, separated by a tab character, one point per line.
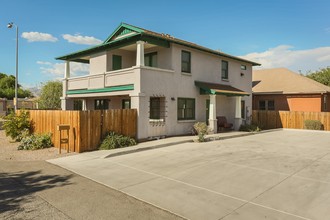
150	59
116	62
224	70
186	61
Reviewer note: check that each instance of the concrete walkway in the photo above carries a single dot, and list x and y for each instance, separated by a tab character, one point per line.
284	174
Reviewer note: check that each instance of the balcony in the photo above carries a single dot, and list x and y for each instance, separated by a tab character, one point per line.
118	80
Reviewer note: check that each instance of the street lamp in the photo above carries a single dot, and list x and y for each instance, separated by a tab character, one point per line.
10	25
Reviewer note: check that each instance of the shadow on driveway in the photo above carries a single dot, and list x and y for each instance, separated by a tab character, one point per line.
17	187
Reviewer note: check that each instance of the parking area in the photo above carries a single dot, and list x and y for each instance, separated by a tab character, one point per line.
282	174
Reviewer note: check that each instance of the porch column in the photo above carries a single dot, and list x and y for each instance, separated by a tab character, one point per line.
65	85
238	113
140	53
84	106
213	114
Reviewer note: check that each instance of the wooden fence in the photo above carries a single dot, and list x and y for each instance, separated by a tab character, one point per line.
86	127
287	119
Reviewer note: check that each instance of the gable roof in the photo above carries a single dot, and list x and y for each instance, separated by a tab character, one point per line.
284	81
126	34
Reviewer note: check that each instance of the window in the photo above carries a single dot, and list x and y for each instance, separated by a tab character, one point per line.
157	108
266	105
116	62
186	109
185	61
101	104
126	104
77	104
262	105
270	105
243	109
150	59
224	70
243	67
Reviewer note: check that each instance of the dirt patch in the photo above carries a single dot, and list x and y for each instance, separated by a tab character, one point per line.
8	151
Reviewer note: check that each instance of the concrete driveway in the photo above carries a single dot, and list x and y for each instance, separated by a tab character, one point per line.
275	175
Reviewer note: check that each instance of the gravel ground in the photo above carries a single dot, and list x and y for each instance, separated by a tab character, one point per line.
8	151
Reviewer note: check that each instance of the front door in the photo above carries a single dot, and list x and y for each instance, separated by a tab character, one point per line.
207	111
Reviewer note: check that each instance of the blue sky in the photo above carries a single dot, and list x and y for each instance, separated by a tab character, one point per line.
282	33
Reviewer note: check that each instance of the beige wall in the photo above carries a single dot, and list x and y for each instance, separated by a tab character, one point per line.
98	63
168	81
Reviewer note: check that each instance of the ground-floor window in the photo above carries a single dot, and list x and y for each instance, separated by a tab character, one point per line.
101	104
157	108
186	109
126	104
266	105
77	104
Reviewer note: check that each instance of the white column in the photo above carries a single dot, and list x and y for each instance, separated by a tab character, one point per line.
140	53
213	114
67	70
84	106
65	85
238	112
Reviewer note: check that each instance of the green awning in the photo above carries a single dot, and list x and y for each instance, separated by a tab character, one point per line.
219	89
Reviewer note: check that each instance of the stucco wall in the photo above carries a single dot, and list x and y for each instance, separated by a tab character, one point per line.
98	63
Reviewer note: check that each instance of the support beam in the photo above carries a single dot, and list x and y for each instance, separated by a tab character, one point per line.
140	53
213	114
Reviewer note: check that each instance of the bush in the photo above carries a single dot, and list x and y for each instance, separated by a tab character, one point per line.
114	140
201	129
35	142
313	125
249	128
14	124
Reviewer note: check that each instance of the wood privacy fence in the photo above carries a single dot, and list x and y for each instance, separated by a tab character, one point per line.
86	127
287	119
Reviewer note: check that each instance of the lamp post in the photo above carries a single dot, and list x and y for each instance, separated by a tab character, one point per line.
10	25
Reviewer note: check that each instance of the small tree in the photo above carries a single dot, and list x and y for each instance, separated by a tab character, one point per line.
50	97
201	129
15	125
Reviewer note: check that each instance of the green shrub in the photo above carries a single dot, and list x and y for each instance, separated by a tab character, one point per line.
313	125
114	140
36	141
249	128
15	124
201	129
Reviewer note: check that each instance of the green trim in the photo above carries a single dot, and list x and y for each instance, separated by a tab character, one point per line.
126	26
205	91
107	89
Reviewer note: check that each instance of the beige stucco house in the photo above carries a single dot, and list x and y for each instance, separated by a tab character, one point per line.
172	83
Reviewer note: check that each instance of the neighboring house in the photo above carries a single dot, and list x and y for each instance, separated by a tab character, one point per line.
281	89
172	83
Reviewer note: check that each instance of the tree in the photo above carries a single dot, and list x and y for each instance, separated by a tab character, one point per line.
7	88
50	97
321	76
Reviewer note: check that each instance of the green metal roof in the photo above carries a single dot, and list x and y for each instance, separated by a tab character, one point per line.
219	89
128	34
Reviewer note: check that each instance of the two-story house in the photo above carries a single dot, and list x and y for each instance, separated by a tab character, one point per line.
172	83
